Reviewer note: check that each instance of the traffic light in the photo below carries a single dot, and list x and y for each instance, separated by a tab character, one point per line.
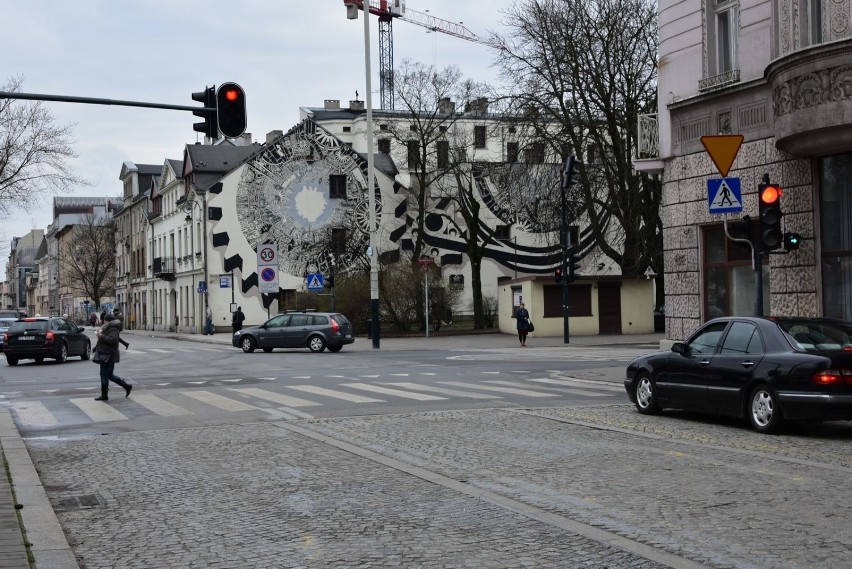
557	274
209	127
573	267
231	109
769	198
568	173
329	281
792	241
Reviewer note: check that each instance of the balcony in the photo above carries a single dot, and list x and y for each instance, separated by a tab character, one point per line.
812	99
647	157
164	268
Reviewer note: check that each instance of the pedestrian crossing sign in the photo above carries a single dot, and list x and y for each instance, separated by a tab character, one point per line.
724	195
315	281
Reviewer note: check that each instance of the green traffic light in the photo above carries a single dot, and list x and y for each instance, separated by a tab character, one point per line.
792	241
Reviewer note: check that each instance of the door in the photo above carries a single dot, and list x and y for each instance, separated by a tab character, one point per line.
683	381
609	308
273	334
732	368
296	335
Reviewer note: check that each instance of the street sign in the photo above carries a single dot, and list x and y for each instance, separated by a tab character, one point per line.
202	287
224	281
267	255
315	281
426	260
724	195
722	150
268	281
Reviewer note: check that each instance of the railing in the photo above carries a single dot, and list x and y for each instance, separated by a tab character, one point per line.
164	265
720	80
648	144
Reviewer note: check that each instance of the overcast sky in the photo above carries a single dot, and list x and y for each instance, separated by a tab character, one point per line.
286	54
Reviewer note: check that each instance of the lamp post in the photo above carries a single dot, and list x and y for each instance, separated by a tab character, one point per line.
375	327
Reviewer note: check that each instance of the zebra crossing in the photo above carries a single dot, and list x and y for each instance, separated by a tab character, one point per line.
277	399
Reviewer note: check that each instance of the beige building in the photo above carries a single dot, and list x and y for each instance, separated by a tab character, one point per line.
778	73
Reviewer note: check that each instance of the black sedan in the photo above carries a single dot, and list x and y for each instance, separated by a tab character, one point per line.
43	337
766	369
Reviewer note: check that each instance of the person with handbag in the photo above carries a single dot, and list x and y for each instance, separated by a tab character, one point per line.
523	322
106	354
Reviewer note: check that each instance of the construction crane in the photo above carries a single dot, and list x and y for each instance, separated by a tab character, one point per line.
387	11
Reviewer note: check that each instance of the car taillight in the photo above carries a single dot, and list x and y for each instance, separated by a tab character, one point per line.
832	377
5	337
335	327
49	337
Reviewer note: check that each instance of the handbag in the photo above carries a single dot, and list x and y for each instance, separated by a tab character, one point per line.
530	326
100	356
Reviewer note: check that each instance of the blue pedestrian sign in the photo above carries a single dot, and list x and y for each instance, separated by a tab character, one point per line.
202	287
724	195
315	281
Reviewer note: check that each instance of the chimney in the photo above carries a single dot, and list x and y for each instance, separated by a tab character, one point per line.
446	106
332	104
356	105
272	135
477	107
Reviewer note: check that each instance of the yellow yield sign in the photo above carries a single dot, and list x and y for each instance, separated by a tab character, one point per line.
723	149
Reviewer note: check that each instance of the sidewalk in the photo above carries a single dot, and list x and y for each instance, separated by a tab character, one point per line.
49	544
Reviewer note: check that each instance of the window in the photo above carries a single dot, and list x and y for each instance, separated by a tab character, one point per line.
534	154
338	240
413	153
579	300
726	35
502	233
729	280
412	128
337	186
835	226
479	137
384	145
708	339
383	127
347	129
511	152
301	320
742	338
443	148
814	22
442	129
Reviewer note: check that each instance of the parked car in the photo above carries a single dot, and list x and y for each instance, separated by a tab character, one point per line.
4	325
765	369
313	330
660	318
43	337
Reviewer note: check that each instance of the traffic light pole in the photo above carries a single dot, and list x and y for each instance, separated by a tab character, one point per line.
564	242
97	101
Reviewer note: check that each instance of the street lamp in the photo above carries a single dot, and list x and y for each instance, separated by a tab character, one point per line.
375	327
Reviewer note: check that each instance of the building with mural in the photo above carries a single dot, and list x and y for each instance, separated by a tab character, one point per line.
778	73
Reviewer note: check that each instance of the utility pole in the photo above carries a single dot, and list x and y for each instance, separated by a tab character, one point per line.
565	245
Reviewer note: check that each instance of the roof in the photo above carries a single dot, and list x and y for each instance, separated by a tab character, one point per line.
209	163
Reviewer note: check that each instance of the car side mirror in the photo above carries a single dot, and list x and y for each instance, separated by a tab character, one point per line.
680	348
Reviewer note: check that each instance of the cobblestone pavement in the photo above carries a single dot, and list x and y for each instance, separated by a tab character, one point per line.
595	486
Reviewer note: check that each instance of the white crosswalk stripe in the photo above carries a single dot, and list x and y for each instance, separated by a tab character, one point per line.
583	392
393	392
510	390
98	411
219	401
335	394
445	391
34	413
159	406
276	397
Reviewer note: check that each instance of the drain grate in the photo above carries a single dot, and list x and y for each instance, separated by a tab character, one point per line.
72	503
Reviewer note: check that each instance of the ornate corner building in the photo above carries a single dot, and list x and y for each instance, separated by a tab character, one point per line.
780	74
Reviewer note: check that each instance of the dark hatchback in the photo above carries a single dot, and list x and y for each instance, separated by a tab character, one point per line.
43	337
765	369
313	330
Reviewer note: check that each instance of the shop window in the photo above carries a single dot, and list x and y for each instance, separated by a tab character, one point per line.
729	280
835	195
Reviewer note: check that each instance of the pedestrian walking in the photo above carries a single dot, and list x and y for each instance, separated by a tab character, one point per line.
237	319
93	319
208	321
117	314
108	337
523	322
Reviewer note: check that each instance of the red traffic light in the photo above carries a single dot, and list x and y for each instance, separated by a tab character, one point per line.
232	94
770	194
231	109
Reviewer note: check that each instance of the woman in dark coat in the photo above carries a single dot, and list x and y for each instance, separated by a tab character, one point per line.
108	337
523	318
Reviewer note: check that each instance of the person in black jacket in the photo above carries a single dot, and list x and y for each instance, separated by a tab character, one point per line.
237	319
108	337
523	318
117	313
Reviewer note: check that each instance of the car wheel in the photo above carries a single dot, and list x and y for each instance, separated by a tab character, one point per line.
645	394
87	351
63	354
316	343
11	361
335	349
267	350
248	344
764	410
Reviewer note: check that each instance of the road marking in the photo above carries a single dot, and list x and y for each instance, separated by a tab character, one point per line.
159	406
233	380
399	374
160	350
98	411
197	382
34	413
513	391
577	383
394	392
219	401
268	378
279	398
583	392
491	372
444	391
335	394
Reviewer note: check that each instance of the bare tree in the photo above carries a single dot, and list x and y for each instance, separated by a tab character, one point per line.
86	257
34	153
582	73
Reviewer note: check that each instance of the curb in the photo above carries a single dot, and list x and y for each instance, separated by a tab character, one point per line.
49	544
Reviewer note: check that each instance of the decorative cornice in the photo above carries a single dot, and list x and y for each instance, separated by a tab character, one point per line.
812	89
